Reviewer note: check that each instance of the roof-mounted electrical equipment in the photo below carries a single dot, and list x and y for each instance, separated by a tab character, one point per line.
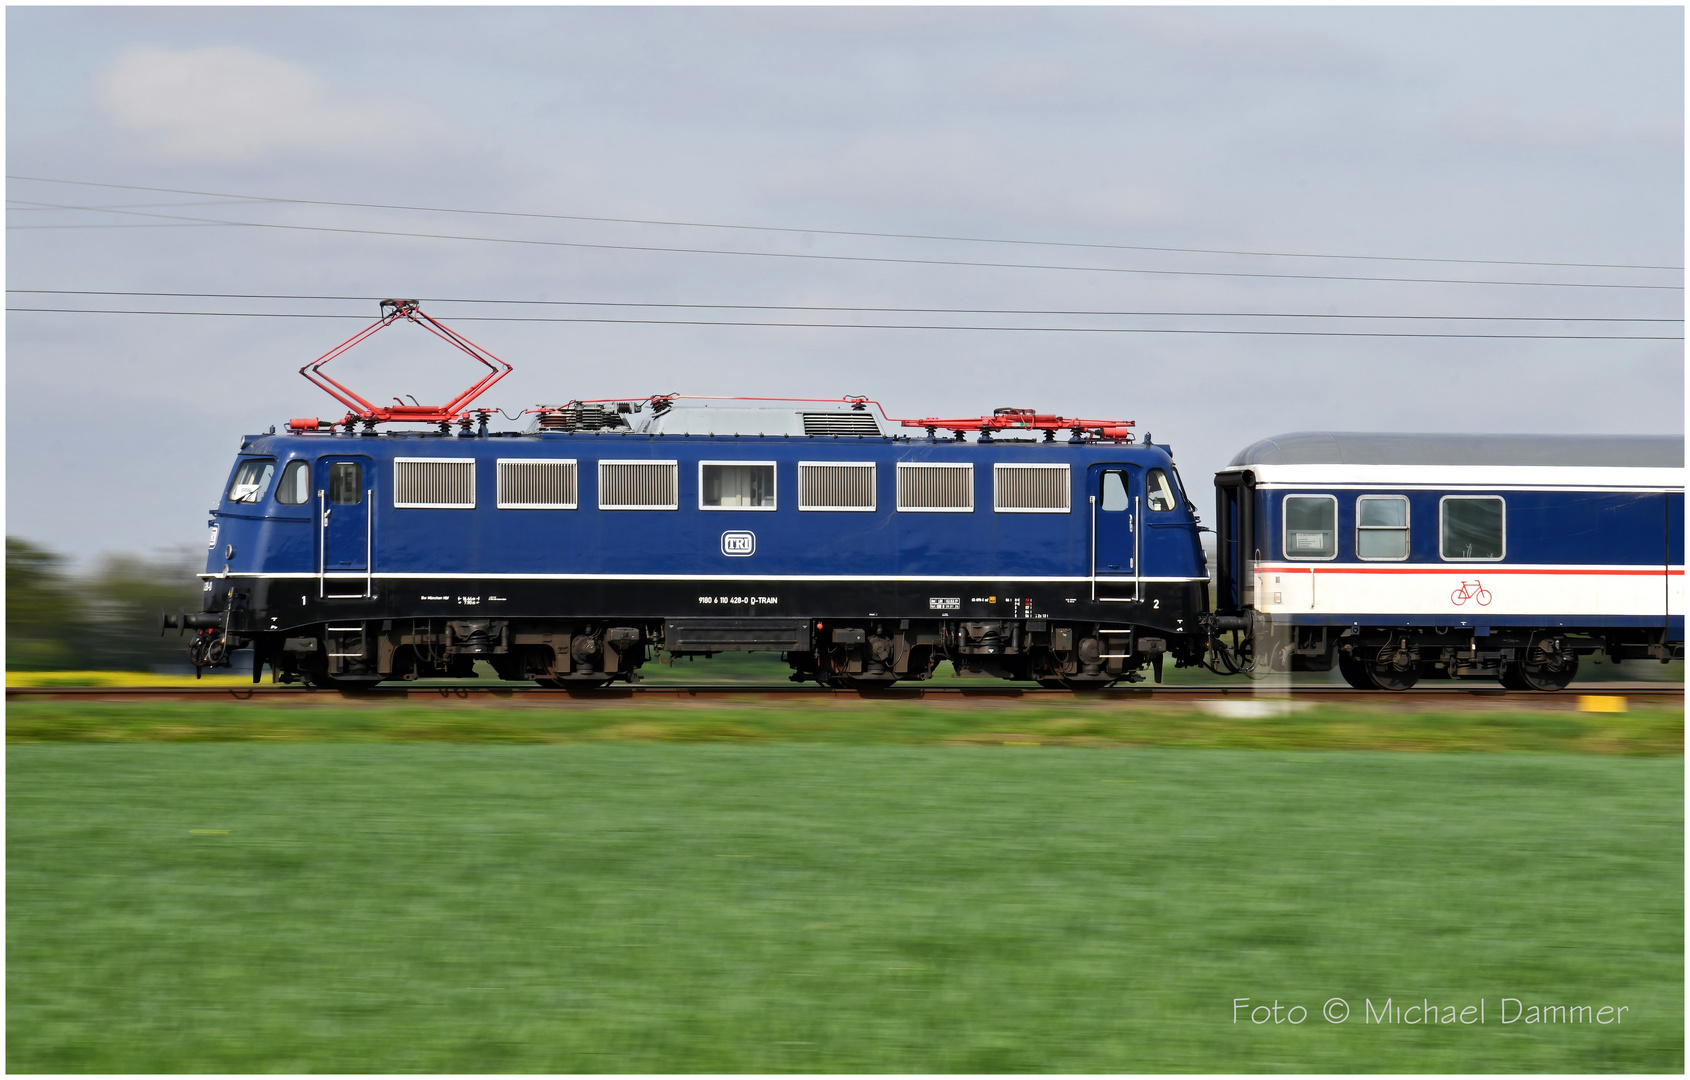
362	411
1028	420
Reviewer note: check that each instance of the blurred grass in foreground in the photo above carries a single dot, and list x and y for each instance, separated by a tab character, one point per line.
1554	728
647	908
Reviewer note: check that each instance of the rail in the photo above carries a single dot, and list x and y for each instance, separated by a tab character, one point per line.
1637	692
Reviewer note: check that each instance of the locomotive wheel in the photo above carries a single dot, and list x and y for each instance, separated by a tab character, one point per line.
1085	686
1548	676
573	684
1354	671
352	686
851	682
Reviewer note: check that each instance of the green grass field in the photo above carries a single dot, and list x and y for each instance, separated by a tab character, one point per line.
1555	726
782	906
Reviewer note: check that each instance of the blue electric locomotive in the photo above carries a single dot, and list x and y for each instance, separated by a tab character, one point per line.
568	551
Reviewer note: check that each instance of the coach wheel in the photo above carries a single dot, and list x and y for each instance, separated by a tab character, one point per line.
1387	676
1548	675
1354	671
1510	677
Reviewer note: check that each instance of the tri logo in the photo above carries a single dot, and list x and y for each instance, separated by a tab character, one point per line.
739	543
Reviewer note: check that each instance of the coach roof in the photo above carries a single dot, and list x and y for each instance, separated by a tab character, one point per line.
1370	448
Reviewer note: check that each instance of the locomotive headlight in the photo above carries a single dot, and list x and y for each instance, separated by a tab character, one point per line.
228	551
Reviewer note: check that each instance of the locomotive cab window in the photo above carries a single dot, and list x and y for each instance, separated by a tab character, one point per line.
1381	527
1159	492
251	478
346	483
295	488
1471	527
736	485
1311	526
1114	491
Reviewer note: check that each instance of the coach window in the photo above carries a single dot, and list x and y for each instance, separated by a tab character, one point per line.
736	486
1472	527
346	483
1311	526
295	487
251	478
1158	491
1114	491
1381	527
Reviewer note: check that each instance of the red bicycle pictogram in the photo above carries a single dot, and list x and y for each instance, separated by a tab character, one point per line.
1470	590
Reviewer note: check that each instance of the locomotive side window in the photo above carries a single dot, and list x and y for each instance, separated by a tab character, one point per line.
836	485
295	488
1114	491
1030	489
1472	527
1159	493
639	485
346	483
1381	527
251	478
736	485
434	483
935	488
536	485
1311	526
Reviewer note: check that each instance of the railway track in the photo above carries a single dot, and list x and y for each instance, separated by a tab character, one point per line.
446	693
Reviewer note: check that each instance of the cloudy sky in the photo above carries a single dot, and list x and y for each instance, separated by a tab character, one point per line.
1473	147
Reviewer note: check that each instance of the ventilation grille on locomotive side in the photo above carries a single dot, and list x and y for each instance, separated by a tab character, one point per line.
639	485
836	486
434	483
537	485
1030	489
840	423
934	487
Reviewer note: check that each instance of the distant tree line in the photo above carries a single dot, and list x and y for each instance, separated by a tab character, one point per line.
103	620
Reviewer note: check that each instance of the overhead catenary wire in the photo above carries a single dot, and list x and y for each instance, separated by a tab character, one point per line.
871	259
838	232
882	326
850	307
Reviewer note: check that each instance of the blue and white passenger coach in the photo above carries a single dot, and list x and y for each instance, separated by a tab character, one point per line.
1402	556
573	549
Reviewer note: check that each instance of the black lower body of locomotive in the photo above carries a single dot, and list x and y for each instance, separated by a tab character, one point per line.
353	631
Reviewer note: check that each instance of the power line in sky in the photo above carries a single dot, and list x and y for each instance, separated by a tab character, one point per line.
877	259
882	326
842	307
836	232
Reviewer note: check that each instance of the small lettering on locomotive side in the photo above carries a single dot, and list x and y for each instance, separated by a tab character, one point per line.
944	603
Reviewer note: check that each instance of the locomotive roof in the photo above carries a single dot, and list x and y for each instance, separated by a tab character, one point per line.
740	419
1385	448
